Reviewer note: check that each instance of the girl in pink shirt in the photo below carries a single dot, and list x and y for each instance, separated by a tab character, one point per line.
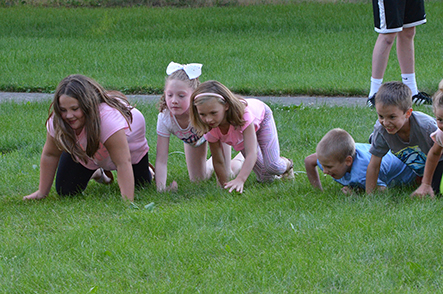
173	119
247	125
89	131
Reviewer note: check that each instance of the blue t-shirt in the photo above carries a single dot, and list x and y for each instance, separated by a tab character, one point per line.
393	172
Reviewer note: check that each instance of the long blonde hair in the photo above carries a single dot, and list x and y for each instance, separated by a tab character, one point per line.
90	95
234	114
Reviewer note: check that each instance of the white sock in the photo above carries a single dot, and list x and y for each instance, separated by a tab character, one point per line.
409	80
375	85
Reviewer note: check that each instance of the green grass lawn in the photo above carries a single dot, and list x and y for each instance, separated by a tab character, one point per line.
305	48
282	237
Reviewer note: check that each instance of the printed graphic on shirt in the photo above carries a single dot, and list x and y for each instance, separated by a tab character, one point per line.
413	157
190	137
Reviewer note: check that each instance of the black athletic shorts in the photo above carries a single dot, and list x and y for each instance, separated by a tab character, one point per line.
391	16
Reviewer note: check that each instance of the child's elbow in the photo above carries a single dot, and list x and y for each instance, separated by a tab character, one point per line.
311	161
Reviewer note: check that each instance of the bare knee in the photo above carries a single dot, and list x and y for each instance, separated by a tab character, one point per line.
386	39
407	34
197	177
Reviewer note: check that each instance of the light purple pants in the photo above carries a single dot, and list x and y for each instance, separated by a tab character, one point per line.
269	163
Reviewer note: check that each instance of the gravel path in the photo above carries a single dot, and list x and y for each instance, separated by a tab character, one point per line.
306	100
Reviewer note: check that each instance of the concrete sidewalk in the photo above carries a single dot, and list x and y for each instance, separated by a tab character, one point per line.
306	100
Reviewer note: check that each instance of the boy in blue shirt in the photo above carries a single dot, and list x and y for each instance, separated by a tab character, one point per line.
344	160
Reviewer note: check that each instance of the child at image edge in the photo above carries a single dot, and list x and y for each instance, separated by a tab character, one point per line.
174	119
344	160
403	131
433	162
247	125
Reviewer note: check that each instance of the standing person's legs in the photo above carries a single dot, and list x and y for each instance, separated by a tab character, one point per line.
380	57
406	58
388	21
380	54
72	177
405	50
414	15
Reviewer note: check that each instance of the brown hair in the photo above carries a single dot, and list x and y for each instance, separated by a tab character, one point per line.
90	95
234	114
396	94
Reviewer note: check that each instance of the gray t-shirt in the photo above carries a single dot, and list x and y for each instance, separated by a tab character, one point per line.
413	153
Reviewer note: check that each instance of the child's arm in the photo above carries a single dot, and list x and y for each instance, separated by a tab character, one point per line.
312	172
425	188
161	165
372	174
48	165
118	149
218	161
250	144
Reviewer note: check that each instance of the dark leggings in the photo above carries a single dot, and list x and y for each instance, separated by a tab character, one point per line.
436	178
72	177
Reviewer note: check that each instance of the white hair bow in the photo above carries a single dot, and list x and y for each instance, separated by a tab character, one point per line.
193	70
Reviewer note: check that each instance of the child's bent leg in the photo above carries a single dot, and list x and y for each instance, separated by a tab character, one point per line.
267	139
142	174
437	178
236	164
103	176
72	177
196	162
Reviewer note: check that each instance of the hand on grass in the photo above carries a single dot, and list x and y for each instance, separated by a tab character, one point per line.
347	190
34	196
235	184
172	187
422	191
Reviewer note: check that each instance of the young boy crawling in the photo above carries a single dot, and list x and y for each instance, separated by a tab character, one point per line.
403	132
344	160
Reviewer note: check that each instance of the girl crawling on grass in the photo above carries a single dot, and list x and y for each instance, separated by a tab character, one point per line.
247	125
174	119
90	131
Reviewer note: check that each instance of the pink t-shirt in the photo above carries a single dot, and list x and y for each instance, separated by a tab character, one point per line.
111	122
254	113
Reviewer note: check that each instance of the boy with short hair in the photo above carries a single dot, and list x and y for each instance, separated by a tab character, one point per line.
403	131
344	160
